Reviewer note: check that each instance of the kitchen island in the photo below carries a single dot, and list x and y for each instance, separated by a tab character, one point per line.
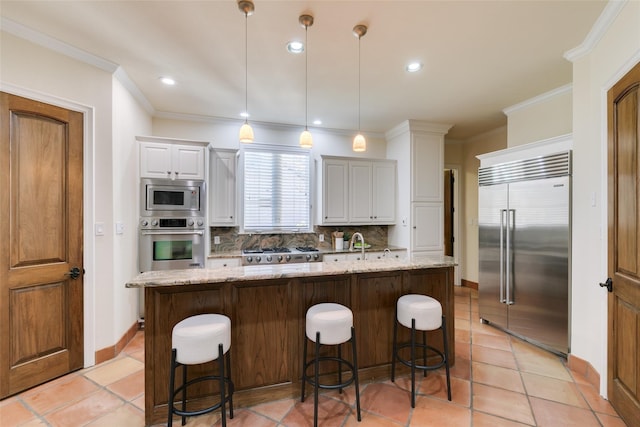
267	306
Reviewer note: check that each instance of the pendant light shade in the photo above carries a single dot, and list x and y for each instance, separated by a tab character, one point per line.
246	133
306	141
359	143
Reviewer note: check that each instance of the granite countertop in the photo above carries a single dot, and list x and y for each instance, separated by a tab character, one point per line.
277	271
324	251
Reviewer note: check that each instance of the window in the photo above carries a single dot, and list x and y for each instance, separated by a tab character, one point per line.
276	190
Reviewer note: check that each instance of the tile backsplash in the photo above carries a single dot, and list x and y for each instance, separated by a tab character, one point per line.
231	240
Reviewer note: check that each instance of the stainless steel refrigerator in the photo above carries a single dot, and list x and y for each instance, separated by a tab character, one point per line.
524	248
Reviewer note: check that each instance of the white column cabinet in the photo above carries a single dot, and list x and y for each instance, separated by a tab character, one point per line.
222	188
171	159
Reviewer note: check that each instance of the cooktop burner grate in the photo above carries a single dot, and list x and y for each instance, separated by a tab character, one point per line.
306	249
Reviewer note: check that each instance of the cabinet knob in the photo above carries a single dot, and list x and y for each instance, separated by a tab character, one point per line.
414	227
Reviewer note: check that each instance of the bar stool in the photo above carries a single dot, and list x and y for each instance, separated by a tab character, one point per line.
329	324
195	340
420	313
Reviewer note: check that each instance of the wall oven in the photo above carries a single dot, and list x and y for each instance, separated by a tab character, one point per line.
171	243
169	198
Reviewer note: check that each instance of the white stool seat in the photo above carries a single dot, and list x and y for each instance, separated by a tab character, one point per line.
196	338
426	310
333	321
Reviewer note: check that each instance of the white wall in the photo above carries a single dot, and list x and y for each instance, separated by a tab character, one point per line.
593	74
224	134
129	120
543	117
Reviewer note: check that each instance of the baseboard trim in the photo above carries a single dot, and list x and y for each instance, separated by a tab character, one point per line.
469	284
112	351
585	369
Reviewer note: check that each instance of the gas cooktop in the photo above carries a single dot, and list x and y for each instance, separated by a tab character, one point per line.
280	255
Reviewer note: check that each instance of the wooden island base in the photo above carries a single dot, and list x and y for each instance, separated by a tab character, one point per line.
267	327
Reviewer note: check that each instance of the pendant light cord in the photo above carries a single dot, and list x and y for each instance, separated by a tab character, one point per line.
359	37
306	77
246	67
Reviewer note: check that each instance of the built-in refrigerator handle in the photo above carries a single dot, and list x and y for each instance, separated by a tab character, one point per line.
502	263
511	222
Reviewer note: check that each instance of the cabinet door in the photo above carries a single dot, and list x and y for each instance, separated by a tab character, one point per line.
222	185
155	160
360	191
427	228
335	181
188	162
427	163
384	192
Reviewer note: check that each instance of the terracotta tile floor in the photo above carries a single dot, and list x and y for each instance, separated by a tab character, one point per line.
498	380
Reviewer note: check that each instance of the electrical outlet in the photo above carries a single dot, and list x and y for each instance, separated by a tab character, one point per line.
321	238
216	240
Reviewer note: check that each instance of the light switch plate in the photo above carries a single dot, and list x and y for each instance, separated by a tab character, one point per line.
99	228
119	228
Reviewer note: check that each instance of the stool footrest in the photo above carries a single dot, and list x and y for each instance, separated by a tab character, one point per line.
203	410
311	378
422	367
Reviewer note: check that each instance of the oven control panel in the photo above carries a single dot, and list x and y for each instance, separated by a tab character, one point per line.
160	223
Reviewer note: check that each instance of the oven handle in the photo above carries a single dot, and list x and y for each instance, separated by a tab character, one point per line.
172	233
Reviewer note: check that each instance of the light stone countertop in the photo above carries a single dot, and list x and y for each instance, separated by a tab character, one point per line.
278	271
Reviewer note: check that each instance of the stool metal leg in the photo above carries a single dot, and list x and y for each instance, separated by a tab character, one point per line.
340	367
317	380
413	363
355	371
230	383
395	346
222	387
304	366
184	393
172	375
424	352
446	356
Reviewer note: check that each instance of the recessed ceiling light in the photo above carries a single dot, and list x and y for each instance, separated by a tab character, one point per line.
317	122
244	114
414	66
295	47
168	81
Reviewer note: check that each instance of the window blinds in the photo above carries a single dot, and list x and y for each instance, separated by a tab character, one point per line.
276	191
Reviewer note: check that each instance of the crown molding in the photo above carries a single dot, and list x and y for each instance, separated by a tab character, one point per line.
539	99
600	27
50	43
417	126
133	89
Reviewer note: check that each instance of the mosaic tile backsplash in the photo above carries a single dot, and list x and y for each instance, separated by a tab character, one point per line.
231	240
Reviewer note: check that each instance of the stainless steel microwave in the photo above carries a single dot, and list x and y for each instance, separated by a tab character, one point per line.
165	197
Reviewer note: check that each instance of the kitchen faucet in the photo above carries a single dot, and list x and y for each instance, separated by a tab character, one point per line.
353	238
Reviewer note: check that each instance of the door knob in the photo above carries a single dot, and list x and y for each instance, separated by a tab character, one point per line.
608	284
74	273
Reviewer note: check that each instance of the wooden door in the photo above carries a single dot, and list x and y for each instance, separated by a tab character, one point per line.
448	212
41	314
623	371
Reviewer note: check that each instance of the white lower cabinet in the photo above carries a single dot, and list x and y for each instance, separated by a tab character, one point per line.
214	263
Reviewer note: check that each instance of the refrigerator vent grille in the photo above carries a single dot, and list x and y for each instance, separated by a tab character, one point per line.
541	167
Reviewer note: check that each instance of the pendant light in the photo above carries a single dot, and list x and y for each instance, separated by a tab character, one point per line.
306	141
359	143
246	133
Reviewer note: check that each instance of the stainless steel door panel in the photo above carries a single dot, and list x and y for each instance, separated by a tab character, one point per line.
539	285
492	203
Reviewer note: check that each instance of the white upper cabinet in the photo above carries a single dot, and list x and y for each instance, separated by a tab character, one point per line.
335	191
172	159
357	192
222	188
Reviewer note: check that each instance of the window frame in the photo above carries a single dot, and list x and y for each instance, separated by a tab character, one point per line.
283	149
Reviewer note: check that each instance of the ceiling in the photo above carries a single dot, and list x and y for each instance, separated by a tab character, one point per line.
479	56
